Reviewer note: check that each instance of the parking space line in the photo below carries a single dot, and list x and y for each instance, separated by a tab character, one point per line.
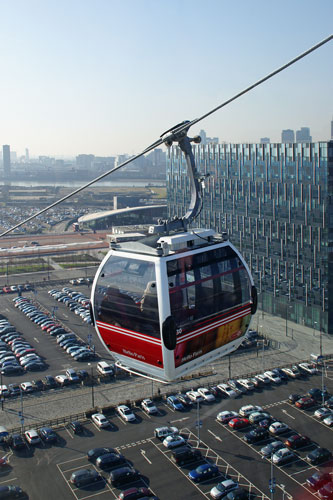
8	480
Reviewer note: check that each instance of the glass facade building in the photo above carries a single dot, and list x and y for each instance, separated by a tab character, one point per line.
276	203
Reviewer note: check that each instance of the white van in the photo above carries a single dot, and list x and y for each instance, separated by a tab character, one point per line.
103	368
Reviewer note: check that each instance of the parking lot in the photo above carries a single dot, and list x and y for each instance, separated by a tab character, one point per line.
36	468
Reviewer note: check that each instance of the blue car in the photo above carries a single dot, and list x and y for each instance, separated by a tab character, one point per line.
174	403
203	472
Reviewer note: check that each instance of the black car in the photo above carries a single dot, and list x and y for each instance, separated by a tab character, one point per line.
35	366
48	435
110	461
239	494
316	393
280	373
318	456
38	385
16	442
185	455
123	475
93	454
318	480
83	477
256	435
83	374
292	398
183	398
14	389
11	370
12	491
50	382
266	422
76	427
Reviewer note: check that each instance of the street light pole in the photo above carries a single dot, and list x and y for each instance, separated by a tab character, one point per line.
2	396
92	386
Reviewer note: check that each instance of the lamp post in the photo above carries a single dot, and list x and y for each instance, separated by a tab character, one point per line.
272	481
263	349
2	396
92	385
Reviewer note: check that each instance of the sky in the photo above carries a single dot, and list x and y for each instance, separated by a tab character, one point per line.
108	77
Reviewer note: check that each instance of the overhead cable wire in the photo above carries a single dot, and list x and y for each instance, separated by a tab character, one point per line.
186	125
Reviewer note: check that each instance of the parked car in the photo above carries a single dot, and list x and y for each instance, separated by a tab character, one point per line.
48	435
126	413
248	409
76	427
283	456
162	432
277	428
328	420
184	455
239	423
222	489
296	441
32	437
305	402
225	416
322	413
110	461
136	493
326	491
307	368
227	390
173	441
203	472
82	477
148	406
318	480
16	442
100	420
94	453
123	475
273	377
206	394
318	456
256	435
271	448
174	403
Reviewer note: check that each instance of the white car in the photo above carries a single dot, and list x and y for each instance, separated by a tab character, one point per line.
62	380
225	416
222	489
32	437
148	406
273	377
206	394
226	389
173	441
307	368
246	410
328	421
27	387
195	396
290	372
126	413
100	420
245	382
283	456
278	428
4	391
263	378
322	413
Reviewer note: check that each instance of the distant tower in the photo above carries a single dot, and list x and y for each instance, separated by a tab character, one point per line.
303	135
26	154
203	136
288	135
6	161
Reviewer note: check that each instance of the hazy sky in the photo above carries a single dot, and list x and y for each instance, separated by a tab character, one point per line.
109	76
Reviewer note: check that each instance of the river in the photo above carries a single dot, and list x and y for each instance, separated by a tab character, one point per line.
76	184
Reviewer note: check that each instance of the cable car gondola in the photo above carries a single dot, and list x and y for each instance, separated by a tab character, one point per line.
176	299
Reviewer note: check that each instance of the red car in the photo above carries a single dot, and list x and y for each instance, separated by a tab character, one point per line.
297	441
45	327
305	402
239	423
7	289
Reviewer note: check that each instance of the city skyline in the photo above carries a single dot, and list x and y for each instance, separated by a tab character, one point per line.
107	78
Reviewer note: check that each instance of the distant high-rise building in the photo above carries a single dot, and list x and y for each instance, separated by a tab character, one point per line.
84	161
26	154
6	161
207	140
265	140
287	136
203	136
332	130
303	135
